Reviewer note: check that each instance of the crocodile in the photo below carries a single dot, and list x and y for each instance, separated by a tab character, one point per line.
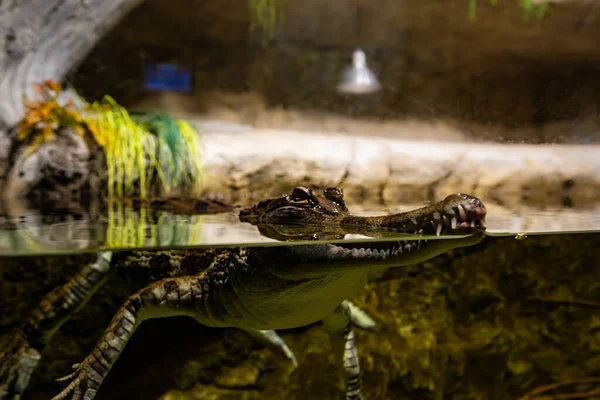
257	289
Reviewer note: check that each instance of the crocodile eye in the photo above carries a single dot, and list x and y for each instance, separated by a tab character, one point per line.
334	194
301	193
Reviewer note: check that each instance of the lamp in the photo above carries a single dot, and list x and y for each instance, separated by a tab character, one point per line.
358	78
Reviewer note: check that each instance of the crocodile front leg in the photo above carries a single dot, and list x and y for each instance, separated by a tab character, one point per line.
166	298
339	327
23	352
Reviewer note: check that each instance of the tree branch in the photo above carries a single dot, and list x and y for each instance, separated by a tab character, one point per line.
45	39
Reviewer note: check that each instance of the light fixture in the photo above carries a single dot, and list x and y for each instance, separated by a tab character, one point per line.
358	78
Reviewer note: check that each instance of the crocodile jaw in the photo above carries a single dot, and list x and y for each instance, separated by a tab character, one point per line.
381	255
457	214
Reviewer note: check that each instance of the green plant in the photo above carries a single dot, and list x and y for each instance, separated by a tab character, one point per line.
124	143
178	152
264	15
538	8
138	147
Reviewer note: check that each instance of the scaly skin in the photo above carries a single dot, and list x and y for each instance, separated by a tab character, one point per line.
264	289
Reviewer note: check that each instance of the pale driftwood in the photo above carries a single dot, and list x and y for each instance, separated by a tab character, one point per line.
45	39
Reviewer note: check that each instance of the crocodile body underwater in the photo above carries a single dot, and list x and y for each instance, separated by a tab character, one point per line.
256	289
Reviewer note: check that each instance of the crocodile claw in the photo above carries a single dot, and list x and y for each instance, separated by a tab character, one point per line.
360	318
84	384
17	363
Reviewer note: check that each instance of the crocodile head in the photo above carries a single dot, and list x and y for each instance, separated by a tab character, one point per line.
459	219
456	214
302	207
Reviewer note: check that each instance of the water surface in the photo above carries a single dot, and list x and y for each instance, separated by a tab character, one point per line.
33	233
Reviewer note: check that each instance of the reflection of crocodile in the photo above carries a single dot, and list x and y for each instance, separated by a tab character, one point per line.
254	289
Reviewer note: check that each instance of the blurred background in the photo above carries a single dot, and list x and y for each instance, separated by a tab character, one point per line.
451	70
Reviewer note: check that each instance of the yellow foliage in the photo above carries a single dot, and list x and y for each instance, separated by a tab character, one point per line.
190	136
123	142
45	116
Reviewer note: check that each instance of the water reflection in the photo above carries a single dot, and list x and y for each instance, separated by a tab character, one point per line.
28	230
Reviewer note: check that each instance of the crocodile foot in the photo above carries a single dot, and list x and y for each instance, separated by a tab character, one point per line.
17	363
83	383
360	318
275	343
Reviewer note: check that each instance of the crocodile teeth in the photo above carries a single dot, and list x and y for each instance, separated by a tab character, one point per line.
472	224
436	215
453	223
334	250
408	247
438	230
461	211
420	231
